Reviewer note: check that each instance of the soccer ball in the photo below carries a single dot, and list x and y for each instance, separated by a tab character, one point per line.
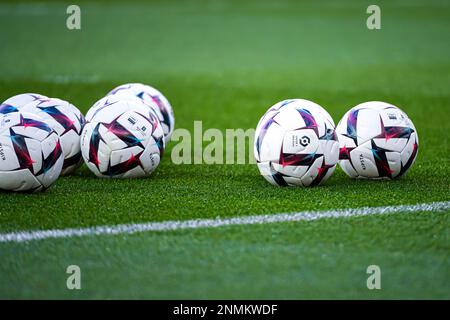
296	144
31	156
67	121
377	140
15	103
155	99
123	141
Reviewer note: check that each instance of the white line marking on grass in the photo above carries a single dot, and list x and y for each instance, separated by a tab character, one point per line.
215	223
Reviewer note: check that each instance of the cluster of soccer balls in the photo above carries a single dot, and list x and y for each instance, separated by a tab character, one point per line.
126	132
123	135
297	143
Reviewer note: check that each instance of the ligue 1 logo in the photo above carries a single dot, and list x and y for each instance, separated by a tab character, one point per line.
304	141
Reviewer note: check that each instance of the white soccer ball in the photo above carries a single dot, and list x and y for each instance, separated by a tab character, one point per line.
377	140
15	103
296	144
67	121
155	99
31	156
123	141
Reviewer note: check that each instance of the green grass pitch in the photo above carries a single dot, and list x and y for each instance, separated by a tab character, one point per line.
225	63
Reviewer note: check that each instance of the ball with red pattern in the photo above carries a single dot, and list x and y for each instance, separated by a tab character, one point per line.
377	141
296	144
31	155
67	121
123	140
153	98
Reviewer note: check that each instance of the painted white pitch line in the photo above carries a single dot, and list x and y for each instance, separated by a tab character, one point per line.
214	223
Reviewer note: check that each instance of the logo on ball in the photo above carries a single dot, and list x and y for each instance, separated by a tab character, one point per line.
304	141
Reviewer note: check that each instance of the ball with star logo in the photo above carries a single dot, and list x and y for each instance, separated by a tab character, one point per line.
296	144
